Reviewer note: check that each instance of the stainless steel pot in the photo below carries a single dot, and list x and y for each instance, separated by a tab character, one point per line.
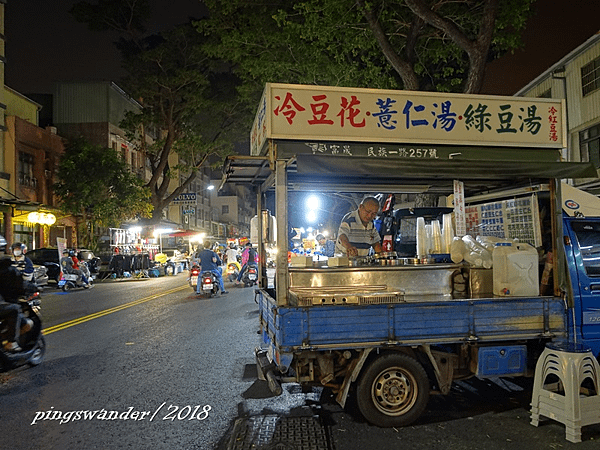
416	261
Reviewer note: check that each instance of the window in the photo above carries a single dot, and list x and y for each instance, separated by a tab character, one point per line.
589	145
588	235
25	170
590	77
225	209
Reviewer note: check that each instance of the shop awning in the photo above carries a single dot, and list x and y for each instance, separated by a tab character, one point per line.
436	174
326	172
184	233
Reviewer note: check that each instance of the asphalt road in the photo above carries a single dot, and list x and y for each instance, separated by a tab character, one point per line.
164	369
175	359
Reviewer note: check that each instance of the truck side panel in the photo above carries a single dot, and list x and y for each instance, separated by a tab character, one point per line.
335	327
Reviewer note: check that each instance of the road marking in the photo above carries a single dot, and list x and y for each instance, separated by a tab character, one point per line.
71	323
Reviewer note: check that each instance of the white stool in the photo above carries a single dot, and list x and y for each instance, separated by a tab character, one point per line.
566	388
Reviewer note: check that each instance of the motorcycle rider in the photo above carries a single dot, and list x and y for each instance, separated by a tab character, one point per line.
25	266
209	262
249	256
80	264
66	265
11	285
231	254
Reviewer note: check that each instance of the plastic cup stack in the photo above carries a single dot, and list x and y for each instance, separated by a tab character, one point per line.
436	236
421	238
447	233
428	239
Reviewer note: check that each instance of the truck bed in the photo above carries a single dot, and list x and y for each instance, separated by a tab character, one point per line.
410	323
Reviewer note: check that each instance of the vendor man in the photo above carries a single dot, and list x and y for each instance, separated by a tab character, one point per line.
357	234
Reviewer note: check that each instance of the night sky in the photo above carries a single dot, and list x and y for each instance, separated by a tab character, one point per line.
45	44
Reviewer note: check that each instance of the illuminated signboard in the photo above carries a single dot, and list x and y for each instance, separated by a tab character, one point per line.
318	113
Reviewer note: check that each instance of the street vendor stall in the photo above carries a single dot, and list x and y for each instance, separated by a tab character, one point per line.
390	327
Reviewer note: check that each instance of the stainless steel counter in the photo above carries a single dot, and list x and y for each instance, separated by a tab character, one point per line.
372	284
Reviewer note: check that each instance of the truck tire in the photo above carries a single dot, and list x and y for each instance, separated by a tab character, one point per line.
393	391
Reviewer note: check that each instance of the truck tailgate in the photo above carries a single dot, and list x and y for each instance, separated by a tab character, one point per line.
351	326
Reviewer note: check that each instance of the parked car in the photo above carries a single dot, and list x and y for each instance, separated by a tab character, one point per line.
49	258
92	260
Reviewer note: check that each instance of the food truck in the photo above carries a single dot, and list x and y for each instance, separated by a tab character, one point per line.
390	330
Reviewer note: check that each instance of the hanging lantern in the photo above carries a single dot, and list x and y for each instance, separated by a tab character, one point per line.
41	218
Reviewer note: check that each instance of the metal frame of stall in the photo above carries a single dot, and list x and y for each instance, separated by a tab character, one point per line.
378	140
281	174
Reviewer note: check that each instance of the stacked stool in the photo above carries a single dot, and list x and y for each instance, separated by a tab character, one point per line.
566	387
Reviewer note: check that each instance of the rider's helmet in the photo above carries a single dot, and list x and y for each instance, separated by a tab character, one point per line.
19	247
71	252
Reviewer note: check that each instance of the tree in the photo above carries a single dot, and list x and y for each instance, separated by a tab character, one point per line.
431	45
189	99
434	45
94	183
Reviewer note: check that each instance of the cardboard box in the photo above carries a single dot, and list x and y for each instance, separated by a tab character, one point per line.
338	261
301	261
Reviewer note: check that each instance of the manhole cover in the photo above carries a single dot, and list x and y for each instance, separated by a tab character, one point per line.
272	432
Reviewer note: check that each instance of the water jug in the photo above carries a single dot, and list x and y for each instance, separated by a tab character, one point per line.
516	270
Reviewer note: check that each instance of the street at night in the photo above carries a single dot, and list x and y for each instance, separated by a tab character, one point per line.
147	364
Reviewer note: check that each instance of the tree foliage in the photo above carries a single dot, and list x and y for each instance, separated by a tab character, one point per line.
433	45
96	184
188	97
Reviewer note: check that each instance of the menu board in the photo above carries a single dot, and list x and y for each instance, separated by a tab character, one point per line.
517	218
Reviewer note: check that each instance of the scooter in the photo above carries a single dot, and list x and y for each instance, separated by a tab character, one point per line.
250	276
209	285
233	271
70	281
193	276
31	339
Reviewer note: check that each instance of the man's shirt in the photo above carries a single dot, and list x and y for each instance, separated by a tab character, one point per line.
209	260
361	237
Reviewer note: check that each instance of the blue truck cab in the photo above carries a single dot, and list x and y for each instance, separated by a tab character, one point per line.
390	331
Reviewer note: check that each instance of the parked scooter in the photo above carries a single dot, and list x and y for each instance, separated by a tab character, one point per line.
250	276
31	340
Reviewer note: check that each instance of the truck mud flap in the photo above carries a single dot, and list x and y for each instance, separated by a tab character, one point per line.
265	369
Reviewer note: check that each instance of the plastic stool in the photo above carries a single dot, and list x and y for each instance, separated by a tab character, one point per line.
558	389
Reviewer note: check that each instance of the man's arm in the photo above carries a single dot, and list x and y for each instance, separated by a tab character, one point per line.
350	249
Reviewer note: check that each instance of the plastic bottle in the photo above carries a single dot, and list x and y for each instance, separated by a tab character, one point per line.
457	250
477	255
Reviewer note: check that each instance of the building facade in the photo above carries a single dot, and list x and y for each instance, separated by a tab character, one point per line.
30	158
576	78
